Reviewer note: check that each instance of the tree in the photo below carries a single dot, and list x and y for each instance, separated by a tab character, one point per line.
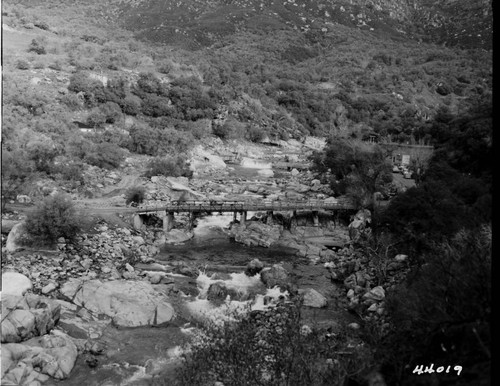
37	47
148	83
93	90
17	169
135	195
111	111
42	151
358	169
53	217
96	118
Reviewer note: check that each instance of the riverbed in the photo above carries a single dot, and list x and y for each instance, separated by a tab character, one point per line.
134	355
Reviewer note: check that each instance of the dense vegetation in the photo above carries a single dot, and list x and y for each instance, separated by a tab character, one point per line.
354	168
273	348
442	311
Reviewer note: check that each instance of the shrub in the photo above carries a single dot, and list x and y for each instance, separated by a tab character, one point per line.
168	166
165	67
72	101
255	133
135	195
93	89
54	217
111	111
69	172
443	312
38	65
105	155
22	65
37	48
42	151
222	131
96	118
199	129
156	106
148	83
158	141
131	105
42	25
271	348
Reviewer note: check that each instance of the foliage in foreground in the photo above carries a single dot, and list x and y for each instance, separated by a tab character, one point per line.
54	217
442	314
272	348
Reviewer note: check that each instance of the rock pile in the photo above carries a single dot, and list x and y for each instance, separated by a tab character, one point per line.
366	280
32	350
102	255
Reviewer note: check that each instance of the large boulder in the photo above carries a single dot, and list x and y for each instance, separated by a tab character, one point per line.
376	294
14	283
128	303
254	267
34	361
201	158
179	185
359	224
15	237
275	276
28	316
7	225
218	292
256	233
313	298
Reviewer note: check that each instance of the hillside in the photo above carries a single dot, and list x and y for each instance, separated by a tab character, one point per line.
196	24
234	69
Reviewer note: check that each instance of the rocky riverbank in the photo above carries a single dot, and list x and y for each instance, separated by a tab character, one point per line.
77	299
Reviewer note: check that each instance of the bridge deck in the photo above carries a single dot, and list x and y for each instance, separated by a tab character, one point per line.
238	206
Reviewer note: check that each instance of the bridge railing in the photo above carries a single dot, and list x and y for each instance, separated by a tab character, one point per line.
237	206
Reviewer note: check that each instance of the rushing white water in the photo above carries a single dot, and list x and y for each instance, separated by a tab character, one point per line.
212	222
204	309
238	282
255	163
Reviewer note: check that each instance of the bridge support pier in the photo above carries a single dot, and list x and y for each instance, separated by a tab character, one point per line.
269	218
243	217
191	220
168	221
138	222
315	218
234	216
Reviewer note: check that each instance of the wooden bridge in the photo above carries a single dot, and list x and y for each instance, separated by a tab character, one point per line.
167	211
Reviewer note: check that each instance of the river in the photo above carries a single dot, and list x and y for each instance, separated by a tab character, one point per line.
129	349
134	355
